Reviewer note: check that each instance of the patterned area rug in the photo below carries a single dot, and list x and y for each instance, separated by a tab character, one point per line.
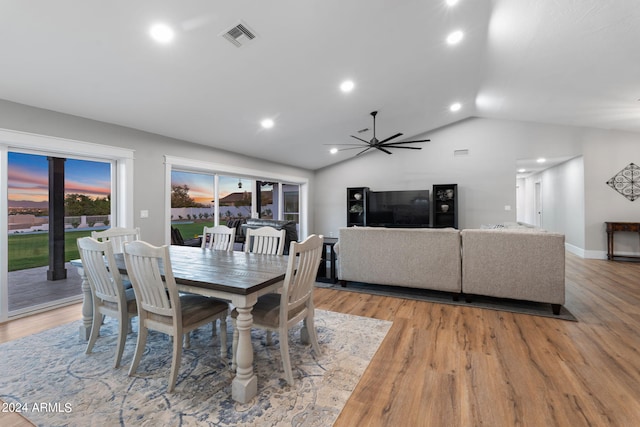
500	304
49	378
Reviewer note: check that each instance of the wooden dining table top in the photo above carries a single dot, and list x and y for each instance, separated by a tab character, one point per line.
228	271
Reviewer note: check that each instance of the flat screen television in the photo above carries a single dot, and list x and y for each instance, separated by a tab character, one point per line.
398	208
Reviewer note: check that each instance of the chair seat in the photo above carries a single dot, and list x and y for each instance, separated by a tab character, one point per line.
195	308
132	306
266	312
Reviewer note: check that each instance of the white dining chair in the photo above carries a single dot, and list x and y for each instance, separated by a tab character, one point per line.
118	236
264	240
108	293
162	308
219	238
279	312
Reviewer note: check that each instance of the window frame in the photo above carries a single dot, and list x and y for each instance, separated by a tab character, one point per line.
121	183
212	168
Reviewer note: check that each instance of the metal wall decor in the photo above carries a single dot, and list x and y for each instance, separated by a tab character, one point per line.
627	182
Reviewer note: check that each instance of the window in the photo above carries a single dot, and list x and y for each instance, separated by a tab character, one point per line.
237	192
117	161
87	206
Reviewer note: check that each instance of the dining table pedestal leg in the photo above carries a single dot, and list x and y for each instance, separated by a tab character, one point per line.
245	384
87	306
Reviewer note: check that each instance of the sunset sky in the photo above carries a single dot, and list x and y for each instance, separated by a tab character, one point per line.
28	177
201	186
28	180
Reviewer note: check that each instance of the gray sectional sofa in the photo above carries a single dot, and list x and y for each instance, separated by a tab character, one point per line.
523	263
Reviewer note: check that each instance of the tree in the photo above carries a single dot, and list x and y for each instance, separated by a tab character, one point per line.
180	197
81	204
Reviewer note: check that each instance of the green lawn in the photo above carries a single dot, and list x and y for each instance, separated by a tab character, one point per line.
190	230
32	250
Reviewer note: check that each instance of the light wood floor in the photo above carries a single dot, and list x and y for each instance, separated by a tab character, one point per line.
445	365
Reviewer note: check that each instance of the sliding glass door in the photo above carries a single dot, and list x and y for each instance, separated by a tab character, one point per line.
34	280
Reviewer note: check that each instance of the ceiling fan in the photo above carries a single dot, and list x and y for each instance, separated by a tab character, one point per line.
383	145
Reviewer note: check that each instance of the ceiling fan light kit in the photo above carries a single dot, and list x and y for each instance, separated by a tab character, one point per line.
385	145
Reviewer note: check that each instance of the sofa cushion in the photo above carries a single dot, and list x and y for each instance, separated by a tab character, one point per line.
519	264
410	257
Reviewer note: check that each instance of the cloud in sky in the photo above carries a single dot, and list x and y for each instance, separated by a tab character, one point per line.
28	177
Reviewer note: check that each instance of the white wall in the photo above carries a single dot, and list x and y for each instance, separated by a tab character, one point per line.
563	201
605	154
150	149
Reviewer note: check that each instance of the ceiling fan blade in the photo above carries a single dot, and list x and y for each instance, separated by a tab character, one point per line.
353	148
408	142
382	149
391	137
408	148
358	144
364	151
360	139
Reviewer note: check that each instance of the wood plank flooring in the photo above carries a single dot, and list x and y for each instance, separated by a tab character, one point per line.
446	365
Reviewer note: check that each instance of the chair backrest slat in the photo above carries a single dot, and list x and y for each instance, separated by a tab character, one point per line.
149	269
265	240
118	236
304	259
219	238
100	268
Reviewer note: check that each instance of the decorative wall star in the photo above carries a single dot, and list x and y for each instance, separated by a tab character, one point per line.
627	182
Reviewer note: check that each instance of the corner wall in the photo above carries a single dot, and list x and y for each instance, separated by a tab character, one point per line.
562	200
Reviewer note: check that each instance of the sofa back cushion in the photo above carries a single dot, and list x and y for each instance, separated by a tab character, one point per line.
410	257
517	264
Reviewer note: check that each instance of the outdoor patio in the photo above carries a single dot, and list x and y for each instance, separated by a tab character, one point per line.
30	288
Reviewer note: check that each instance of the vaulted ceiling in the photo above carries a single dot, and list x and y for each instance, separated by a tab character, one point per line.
574	62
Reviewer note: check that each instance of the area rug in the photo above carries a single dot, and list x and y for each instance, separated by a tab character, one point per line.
52	382
500	304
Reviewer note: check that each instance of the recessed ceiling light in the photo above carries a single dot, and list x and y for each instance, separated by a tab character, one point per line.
161	33
347	86
541	160
455	37
456	106
267	123
452	2
333	150
522	170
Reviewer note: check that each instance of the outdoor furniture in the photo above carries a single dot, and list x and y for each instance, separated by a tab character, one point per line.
177	239
109	296
162	308
265	240
219	238
280	312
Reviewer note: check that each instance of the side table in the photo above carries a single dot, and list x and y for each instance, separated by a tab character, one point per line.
327	268
612	227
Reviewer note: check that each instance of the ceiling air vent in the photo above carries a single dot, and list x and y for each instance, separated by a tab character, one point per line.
239	35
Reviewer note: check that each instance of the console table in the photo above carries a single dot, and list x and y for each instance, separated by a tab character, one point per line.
612	227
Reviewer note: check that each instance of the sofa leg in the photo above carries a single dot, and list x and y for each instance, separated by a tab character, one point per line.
468	299
556	308
343	283
456	297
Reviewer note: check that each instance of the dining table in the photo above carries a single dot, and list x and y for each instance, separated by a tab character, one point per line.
237	277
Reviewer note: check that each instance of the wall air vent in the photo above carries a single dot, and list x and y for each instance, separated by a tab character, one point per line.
239	35
464	152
